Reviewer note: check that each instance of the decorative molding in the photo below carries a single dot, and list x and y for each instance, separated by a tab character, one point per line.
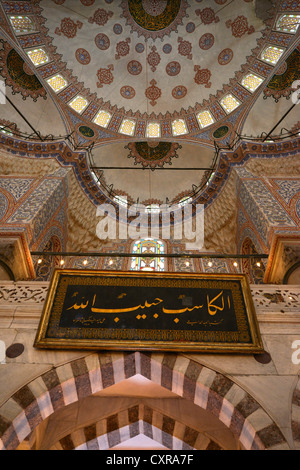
270	298
266	298
20	293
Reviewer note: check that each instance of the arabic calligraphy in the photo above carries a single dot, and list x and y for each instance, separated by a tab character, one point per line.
173	312
214	305
212	309
183	310
125	310
89	321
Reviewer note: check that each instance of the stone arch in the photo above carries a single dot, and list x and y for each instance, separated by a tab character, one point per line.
131	422
83	377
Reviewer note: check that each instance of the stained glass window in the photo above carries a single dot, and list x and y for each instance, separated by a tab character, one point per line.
38	56
103	118
251	82
205	119
229	103
153	129
78	104
272	54
288	23
127	127
57	83
21	24
148	246
179	127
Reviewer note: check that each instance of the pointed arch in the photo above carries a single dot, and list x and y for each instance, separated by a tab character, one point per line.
131	422
68	383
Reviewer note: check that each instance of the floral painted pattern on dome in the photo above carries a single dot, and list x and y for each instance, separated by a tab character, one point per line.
134	67
153	93
179	92
83	56
68	28
127	92
152	154
225	56
206	41
105	76
154	18
173	68
102	41
18	75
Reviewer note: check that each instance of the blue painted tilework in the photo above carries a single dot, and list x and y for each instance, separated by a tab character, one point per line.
40	206
17	187
242	219
263	208
3	205
298	209
288	189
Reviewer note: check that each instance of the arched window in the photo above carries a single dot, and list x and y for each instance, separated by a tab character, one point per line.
288	23
21	24
272	54
148	246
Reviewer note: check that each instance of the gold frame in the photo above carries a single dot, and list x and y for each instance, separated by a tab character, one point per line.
253	347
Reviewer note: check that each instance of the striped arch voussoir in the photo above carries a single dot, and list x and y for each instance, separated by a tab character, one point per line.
126	424
76	380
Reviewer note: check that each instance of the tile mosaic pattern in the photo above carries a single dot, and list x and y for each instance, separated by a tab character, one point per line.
52	192
17	187
288	188
266	211
3	205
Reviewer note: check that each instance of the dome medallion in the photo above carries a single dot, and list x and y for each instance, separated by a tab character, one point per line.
152	154
154	18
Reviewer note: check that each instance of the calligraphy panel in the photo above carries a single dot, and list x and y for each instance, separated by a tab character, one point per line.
142	311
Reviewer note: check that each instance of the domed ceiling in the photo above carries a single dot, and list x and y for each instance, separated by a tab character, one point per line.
162	81
152	56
